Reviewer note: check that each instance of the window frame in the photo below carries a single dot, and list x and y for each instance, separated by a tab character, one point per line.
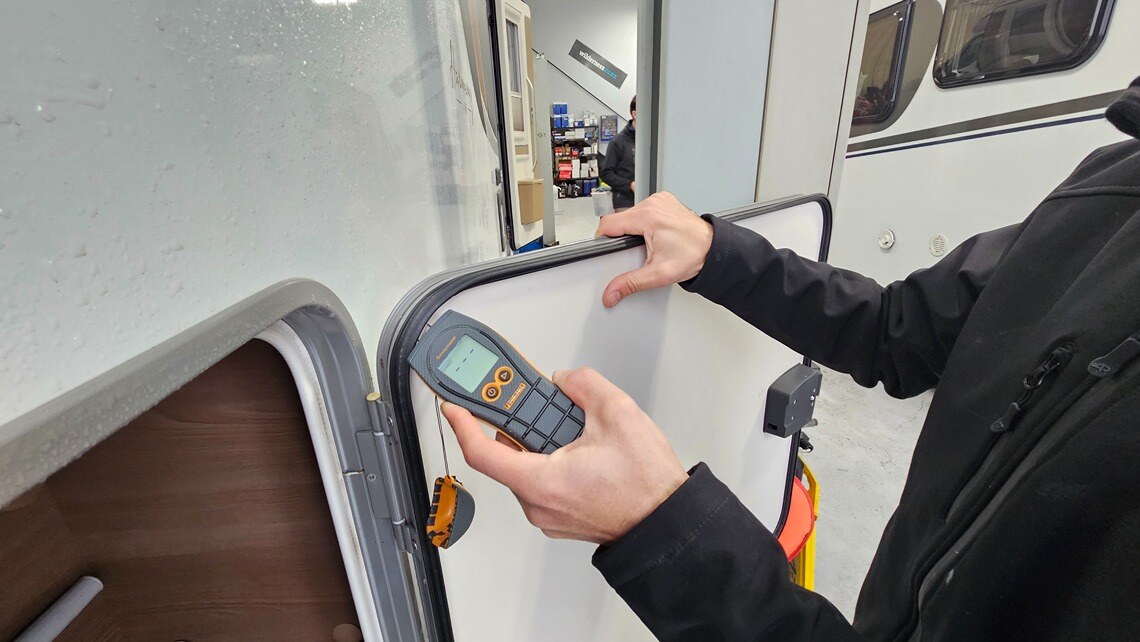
1079	57
898	60
515	76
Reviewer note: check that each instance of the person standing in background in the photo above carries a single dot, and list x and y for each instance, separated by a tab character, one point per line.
617	169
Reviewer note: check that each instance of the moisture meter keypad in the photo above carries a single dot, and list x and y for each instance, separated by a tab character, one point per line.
546	419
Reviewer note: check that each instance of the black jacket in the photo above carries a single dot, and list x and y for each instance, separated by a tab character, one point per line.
1017	521
617	168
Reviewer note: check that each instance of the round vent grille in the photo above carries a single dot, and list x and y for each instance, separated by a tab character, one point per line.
938	245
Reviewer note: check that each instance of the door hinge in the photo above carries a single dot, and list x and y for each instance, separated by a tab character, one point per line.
383	437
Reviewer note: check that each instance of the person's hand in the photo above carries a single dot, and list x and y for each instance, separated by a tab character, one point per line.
596	488
633	186
677	241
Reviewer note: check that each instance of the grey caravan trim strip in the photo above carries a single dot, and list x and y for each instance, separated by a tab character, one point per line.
1065	107
404	328
48	438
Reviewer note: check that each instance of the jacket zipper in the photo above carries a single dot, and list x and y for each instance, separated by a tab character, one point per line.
1033	382
1120	356
1115	360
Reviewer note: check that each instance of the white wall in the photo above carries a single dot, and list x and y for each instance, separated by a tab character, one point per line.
562	89
164	160
609	27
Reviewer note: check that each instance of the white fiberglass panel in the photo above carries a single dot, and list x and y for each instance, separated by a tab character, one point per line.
698	370
956	190
165	160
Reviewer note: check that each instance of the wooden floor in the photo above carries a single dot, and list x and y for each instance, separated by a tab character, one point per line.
205	519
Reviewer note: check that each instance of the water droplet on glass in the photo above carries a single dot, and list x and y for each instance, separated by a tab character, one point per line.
45	113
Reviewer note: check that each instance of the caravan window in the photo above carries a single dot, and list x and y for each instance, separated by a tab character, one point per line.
882	63
992	39
515	76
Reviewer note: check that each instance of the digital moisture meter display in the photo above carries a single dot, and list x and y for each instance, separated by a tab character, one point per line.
468	363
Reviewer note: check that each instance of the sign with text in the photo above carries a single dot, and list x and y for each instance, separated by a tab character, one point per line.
598	64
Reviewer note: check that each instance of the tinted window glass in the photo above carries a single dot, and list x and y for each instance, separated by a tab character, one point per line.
881	68
991	39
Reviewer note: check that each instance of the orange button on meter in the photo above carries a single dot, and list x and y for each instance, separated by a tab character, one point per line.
505	374
491	391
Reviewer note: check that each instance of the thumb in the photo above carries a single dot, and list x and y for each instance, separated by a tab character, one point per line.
503	463
645	277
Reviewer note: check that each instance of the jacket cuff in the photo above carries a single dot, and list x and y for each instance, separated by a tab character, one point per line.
723	263
667	531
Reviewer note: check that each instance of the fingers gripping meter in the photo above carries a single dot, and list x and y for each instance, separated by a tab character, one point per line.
470	365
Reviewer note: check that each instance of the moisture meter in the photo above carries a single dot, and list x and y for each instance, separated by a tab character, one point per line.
470	365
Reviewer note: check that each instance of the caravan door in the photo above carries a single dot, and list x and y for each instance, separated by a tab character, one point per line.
694	367
516	99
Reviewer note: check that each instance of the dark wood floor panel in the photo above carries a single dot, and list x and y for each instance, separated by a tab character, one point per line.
205	518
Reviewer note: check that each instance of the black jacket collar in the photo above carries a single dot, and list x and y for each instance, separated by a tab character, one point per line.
1125	112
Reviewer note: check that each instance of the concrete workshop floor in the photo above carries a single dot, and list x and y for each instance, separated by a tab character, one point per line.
576	221
863	446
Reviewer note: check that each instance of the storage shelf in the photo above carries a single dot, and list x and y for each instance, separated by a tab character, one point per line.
557	139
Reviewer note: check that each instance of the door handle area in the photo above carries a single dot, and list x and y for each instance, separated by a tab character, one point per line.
791	400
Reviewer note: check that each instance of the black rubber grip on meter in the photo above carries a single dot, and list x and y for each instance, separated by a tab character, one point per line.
514	397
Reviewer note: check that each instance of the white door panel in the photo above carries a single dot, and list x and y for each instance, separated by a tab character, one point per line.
694	367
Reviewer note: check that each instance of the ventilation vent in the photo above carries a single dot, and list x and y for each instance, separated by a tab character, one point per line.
938	245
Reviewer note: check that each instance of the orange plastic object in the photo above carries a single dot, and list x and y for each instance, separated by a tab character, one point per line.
800	522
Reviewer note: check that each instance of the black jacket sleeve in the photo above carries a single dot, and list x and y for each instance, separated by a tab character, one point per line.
613	160
702	567
900	335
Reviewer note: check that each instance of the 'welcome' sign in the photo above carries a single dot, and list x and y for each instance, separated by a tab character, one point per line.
598	64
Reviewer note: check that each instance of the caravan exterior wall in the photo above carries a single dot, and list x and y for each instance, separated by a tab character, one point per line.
163	161
959	159
168	162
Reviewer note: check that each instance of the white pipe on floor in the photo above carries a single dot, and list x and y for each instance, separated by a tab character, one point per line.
63	612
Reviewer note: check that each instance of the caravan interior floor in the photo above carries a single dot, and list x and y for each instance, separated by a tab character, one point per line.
204	518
